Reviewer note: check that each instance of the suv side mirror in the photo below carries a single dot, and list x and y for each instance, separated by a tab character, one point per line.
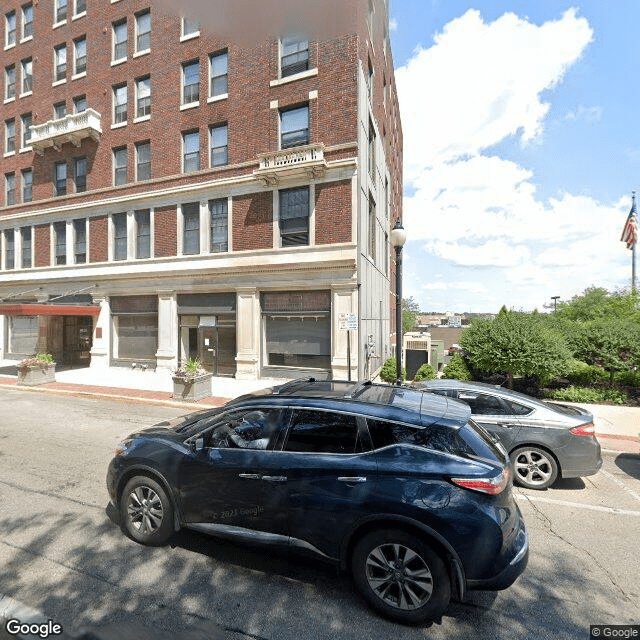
198	444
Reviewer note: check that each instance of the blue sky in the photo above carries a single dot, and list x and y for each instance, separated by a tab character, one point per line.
521	148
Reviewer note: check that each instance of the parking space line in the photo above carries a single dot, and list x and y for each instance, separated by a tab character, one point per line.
621	484
566	503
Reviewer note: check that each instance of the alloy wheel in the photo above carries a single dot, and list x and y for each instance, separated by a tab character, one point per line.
533	467
144	510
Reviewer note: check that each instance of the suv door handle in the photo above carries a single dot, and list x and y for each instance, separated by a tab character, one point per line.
352	479
250	476
275	478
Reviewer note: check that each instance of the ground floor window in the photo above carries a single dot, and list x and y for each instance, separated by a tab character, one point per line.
23	334
135	324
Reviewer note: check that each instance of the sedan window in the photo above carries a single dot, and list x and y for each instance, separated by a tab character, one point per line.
518	409
482	404
323	432
246	429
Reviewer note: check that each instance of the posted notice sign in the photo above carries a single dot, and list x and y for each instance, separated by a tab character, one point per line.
348	321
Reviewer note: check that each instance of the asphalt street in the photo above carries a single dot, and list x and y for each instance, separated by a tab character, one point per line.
61	554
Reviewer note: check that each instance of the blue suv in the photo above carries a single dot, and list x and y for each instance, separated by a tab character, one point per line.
396	485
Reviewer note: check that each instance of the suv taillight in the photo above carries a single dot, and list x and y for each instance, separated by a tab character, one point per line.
492	486
588	429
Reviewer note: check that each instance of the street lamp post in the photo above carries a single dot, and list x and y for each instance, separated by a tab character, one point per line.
398	238
555	302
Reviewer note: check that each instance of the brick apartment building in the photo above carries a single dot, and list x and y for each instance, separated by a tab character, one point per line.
169	192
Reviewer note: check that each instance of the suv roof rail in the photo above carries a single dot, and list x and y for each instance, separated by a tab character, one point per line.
358	388
287	386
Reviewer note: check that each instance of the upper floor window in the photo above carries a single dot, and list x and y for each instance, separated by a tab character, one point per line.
80	174
294	216
9	249
143	233
79	104
27	185
190	82
119	236
25	235
60	178
120	166
294	127
10	28
27	21
219	225
60	11
218	76
10	188
27	76
80	7
80	240
190	151
10	82
60	242
80	55
59	110
143	160
60	62
373	228
219	145
372	150
143	97
120	40
10	135
143	31
190	27
191	228
294	56
120	104
26	130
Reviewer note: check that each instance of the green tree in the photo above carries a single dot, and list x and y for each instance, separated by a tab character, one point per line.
597	303
389	371
425	372
456	369
410	311
517	344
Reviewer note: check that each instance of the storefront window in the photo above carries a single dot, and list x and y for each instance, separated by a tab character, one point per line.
135	320
23	334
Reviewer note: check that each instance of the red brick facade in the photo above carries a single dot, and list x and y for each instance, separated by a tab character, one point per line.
253	221
42	248
333	209
99	234
166	232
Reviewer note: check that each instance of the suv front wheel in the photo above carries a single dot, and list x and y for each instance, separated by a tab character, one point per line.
400	576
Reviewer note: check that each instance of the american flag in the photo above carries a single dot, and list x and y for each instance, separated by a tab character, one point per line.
630	231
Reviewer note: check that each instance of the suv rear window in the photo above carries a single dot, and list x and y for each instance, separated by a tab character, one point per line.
323	432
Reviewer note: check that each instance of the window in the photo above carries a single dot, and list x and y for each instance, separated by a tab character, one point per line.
9	249
219	147
80	55
244	429
143	233
191	228
373	228
120	41
80	174
60	242
26	130
372	151
9	188
59	110
119	236
369	78
190	27
120	166
294	56
60	178
190	82
294	216
60	62
218	78
27	21
60	11
322	432
135	327
143	97
27	75
10	82
219	225
120	104
79	104
10	135
80	7
25	234
143	160
80	241
10	28
27	185
483	404
190	151
294	127
143	31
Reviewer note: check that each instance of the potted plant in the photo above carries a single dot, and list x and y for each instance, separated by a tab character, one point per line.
37	369
191	382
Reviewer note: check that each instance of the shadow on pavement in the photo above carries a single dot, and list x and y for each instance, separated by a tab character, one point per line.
568	484
9	371
629	463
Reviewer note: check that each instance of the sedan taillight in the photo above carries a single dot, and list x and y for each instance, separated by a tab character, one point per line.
492	486
588	429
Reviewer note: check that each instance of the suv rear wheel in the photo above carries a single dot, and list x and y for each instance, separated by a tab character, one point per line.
400	576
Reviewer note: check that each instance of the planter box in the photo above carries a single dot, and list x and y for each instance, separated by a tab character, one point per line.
34	375
193	389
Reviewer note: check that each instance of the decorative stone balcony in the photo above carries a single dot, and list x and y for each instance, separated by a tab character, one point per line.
73	128
306	161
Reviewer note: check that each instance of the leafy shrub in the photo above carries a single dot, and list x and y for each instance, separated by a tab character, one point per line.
457	369
587	394
44	357
583	373
389	371
425	372
628	378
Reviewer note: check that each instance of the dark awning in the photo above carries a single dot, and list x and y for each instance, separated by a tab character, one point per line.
48	309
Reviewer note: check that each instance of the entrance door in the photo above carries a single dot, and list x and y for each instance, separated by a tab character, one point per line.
77	340
217	349
208	348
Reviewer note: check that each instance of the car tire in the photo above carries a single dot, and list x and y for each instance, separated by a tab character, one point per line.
146	513
533	467
400	576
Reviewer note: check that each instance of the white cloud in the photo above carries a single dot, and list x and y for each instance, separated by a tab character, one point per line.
589	114
393	24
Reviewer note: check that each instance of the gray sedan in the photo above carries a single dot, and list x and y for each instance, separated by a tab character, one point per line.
545	440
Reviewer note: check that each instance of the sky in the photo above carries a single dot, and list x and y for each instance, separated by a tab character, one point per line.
521	148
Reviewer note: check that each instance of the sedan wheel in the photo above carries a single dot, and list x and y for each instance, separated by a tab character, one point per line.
400	576
146	512
534	468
